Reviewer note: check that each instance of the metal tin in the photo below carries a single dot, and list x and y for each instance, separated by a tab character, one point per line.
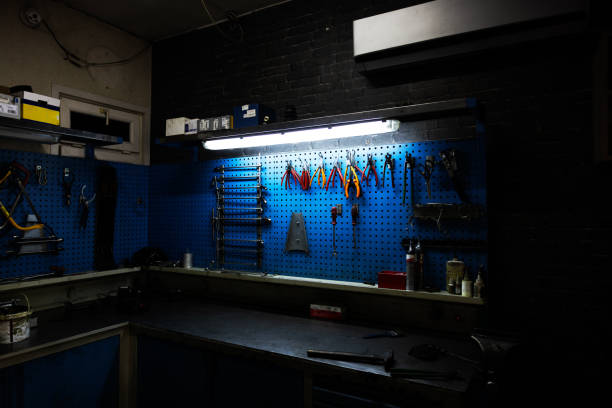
454	272
15	323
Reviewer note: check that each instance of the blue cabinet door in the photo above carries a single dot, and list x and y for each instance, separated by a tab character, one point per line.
85	376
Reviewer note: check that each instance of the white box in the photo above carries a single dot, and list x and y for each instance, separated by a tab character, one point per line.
10	106
181	126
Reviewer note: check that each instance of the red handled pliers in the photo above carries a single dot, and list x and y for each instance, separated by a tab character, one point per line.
305	177
371	167
289	172
337	169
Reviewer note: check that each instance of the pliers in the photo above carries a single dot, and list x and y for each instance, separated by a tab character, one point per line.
391	163
321	173
351	166
289	172
409	165
305	177
337	169
371	167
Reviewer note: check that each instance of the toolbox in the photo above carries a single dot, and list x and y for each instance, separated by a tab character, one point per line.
10	106
39	108
252	115
392	280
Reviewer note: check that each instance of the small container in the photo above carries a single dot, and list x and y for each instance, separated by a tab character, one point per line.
454	271
479	284
392	280
15	322
450	287
187	259
466	288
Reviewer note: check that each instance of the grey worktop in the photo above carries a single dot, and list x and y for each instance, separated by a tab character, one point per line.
276	336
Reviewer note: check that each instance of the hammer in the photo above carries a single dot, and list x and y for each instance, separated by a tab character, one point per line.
386	360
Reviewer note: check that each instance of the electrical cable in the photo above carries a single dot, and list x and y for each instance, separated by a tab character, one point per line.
83	63
231	17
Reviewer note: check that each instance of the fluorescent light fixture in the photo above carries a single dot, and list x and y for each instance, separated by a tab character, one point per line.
306	135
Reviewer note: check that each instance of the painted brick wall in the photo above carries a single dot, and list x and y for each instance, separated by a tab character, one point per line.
549	224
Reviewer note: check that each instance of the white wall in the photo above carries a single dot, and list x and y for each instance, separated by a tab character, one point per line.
31	57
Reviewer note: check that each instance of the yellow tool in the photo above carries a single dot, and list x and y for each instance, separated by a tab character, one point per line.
352	179
321	171
14	224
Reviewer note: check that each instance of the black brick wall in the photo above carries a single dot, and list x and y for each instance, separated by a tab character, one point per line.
549	214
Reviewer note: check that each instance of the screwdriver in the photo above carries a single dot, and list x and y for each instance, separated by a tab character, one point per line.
354	214
334	214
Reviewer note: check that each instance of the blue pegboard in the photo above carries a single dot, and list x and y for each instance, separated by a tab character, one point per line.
131	226
182	201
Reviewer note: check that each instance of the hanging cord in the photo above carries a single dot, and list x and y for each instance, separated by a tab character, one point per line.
83	63
232	18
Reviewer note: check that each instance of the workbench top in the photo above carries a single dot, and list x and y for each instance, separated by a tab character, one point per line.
283	338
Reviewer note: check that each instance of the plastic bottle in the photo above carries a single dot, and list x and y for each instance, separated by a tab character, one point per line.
411	268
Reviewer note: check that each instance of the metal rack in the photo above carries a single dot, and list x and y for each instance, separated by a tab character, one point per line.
232	250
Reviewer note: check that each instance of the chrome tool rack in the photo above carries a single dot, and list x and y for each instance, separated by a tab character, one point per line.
239	207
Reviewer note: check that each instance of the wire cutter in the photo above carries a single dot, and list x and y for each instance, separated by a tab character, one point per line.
337	169
319	173
391	163
290	172
409	165
350	175
85	203
305	176
427	172
371	167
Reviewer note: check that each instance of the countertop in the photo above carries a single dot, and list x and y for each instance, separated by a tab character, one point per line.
276	336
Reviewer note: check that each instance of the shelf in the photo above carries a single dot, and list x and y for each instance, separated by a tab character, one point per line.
320	283
38	132
402	113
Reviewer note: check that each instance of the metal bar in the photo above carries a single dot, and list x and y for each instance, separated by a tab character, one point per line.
243	187
241	208
221	169
259	241
241	250
236	178
259	219
241	263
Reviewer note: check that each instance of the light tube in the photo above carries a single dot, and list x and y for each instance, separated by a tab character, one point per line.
306	135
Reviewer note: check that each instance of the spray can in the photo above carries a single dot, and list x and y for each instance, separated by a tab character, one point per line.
420	258
411	268
479	284
187	259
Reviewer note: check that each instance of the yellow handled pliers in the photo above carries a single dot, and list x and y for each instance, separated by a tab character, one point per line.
351	172
321	173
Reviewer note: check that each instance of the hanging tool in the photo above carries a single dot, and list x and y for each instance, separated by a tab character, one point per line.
449	161
337	169
13	172
371	167
354	215
67	180
427	172
386	360
320	172
222	168
290	172
296	236
305	176
408	165
388	333
334	214
389	162
85	203
350	175
41	175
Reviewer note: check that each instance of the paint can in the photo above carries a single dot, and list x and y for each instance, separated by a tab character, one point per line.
14	321
187	259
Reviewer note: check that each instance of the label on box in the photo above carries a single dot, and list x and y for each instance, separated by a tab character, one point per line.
251	113
8	108
245	107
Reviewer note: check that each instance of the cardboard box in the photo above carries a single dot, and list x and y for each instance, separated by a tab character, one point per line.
181	126
10	106
39	108
252	115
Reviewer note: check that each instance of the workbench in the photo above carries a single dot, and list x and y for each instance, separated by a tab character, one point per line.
222	331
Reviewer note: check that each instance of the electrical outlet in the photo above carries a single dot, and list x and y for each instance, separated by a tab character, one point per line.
31	17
